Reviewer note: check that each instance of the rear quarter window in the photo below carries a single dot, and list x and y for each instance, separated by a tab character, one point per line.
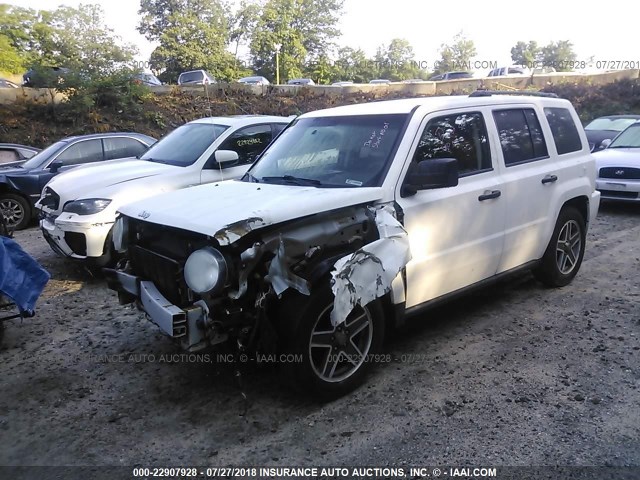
564	130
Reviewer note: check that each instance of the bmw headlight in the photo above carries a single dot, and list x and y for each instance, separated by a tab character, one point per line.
88	206
205	270
120	234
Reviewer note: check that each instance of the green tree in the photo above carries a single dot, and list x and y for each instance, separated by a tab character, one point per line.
76	38
192	34
10	59
304	30
397	61
456	56
559	55
354	65
525	54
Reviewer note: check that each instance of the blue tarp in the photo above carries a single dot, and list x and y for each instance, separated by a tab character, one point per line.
21	277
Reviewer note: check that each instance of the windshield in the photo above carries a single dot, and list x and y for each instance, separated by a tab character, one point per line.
630	138
43	157
184	145
191	77
353	151
615	124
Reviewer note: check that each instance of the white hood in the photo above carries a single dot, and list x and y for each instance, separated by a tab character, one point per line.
617	157
228	210
86	181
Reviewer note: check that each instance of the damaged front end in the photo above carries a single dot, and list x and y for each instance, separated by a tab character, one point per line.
202	290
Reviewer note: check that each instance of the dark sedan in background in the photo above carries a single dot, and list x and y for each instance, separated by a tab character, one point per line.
606	128
20	186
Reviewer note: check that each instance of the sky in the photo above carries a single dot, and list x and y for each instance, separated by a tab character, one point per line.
494	26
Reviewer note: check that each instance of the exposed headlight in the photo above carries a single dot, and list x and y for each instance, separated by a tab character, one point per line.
88	206
120	234
205	270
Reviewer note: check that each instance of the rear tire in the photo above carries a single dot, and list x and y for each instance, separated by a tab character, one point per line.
338	359
563	257
16	211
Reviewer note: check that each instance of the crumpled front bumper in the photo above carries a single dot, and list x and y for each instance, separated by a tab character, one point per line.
184	325
74	237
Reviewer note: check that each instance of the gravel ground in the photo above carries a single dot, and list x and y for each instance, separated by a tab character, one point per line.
514	375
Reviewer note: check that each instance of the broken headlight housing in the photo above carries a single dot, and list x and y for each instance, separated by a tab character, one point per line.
120	234
205	270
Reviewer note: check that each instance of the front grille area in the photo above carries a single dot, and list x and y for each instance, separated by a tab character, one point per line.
77	242
166	273
617	194
620	173
51	199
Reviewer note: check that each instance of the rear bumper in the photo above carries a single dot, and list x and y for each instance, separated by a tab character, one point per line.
594	205
184	325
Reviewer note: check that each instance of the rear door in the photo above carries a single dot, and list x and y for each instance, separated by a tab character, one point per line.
456	233
535	171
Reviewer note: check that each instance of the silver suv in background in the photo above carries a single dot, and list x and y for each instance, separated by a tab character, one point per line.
195	77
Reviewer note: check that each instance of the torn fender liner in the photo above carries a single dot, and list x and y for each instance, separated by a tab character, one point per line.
281	276
367	274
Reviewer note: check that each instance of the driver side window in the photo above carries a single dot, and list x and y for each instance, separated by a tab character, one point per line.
462	136
87	151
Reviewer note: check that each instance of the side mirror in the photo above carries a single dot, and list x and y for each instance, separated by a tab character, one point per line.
430	174
604	144
223	159
55	166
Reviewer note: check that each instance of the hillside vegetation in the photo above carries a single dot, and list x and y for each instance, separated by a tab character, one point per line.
134	108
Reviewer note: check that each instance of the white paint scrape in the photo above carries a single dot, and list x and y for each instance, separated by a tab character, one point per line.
367	274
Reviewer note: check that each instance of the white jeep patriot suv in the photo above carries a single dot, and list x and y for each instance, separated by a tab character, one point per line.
356	217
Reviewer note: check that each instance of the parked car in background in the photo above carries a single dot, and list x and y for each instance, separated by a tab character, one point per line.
380	81
21	186
619	166
12	154
254	80
45	77
301	81
514	70
606	128
79	207
342	83
355	217
195	77
450	76
4	83
147	79
414	80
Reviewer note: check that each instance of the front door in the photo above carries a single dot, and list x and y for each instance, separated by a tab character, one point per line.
456	233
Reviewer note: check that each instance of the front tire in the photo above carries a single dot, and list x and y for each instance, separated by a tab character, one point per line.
16	211
563	257
329	361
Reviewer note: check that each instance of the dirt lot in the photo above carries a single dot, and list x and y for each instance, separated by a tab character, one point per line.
515	375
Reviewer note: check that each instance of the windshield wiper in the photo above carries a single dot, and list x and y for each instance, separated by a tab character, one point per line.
624	146
295	180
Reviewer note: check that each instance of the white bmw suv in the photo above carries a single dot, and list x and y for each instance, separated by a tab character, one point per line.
356	217
78	208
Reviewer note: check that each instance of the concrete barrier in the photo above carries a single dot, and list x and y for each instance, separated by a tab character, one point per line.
10	96
15	95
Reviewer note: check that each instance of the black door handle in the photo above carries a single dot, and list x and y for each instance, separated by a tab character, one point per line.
549	179
490	195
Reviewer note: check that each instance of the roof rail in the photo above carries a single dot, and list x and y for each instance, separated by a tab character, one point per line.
489	93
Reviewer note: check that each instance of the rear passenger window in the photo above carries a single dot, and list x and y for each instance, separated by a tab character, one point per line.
462	136
520	135
121	147
563	128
